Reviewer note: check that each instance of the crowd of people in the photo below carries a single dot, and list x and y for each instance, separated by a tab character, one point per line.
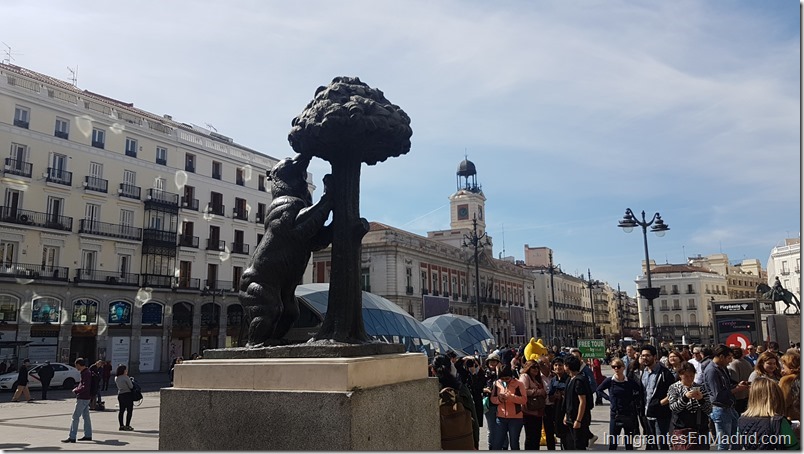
692	397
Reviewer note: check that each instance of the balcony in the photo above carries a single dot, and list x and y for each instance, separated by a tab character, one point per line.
785	272
36	219
186	283
425	291
160	197
188	241
409	290
58	176
225	286
241	214
158	238
157	281
260	218
216	209
216	175
214	244
21	123
664	308
677	307
161	162
690	291
691	307
94	227
131	153
240	181
189	204
62	135
106	277
129	191
239	248
18	167
35	272
98	144
189	167
96	184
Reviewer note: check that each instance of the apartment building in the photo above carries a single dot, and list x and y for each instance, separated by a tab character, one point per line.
123	233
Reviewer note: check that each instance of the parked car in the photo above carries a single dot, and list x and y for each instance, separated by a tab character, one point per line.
65	376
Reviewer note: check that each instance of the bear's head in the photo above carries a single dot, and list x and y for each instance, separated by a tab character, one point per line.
289	178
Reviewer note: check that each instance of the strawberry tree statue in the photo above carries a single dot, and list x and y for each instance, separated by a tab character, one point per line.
347	124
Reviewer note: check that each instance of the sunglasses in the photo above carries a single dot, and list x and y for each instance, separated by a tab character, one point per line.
616	367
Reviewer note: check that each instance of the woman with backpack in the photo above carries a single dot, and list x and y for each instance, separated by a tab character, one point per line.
510	397
764	419
447	378
531	378
125	397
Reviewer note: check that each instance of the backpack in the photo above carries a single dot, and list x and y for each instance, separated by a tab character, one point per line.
456	422
136	391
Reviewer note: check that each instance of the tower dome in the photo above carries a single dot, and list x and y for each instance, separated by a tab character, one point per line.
466	168
467	176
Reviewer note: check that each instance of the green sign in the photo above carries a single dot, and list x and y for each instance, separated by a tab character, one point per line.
592	348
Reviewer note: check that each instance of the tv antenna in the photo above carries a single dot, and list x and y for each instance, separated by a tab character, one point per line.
73	75
9	54
209	126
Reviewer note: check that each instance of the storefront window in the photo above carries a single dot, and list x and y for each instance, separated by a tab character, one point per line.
8	308
46	310
85	311
120	312
151	314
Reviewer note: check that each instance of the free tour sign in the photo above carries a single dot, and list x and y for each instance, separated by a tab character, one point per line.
592	348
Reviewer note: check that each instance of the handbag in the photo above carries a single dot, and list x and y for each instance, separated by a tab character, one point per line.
536	403
681	440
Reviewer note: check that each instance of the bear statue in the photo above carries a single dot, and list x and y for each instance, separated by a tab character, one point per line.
294	228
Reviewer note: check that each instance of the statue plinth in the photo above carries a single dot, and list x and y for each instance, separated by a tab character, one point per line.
376	403
315	349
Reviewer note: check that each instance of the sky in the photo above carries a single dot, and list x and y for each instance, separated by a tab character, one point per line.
572	111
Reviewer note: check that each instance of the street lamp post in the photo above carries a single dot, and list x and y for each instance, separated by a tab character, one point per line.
657	226
553	299
592	302
477	242
621	311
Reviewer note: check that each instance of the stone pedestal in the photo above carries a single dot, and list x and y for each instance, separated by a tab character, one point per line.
376	403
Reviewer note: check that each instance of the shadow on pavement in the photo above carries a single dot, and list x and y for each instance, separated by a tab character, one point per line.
14	445
110	442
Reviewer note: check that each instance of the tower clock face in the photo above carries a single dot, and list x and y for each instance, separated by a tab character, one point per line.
463	212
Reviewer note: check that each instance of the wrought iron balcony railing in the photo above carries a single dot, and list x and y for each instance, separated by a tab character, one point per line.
106	277
188	241
35	272
59	176
129	191
189	204
162	197
214	244
240	248
18	167
94	227
96	184
189	283
36	219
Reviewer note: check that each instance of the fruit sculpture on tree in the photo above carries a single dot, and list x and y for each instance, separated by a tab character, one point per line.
347	124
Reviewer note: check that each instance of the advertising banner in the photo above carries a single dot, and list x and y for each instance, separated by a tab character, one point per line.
149	346
434	305
120	351
518	320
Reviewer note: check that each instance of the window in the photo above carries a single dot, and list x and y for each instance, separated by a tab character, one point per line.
98	138
212	276
259	237
216	203
85	311
124	264
240	179
151	314
131	147
693	319
409	278
237	273
161	155
22	116
424	281
217	170
50	256
240	209
434	277
261	183
189	162
675	290
120	312
8	308
45	310
365	279
260	213
689	289
62	128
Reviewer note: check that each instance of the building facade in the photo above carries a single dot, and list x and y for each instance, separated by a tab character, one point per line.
123	233
784	262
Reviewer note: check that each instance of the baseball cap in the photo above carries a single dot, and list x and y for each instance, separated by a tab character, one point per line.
493	357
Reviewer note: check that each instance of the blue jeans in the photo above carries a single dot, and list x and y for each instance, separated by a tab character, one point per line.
491	423
81	410
661	428
508	428
725	420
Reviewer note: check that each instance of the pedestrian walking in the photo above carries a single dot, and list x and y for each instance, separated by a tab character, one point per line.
107	374
81	403
577	414
764	419
509	396
721	394
22	383
625	395
46	374
125	397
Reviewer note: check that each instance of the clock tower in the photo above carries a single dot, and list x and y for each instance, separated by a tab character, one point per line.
468	202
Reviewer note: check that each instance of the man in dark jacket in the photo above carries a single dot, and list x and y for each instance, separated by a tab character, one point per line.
656	380
81	403
721	394
22	383
46	374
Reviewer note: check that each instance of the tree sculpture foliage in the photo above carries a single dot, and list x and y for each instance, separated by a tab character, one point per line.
348	123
